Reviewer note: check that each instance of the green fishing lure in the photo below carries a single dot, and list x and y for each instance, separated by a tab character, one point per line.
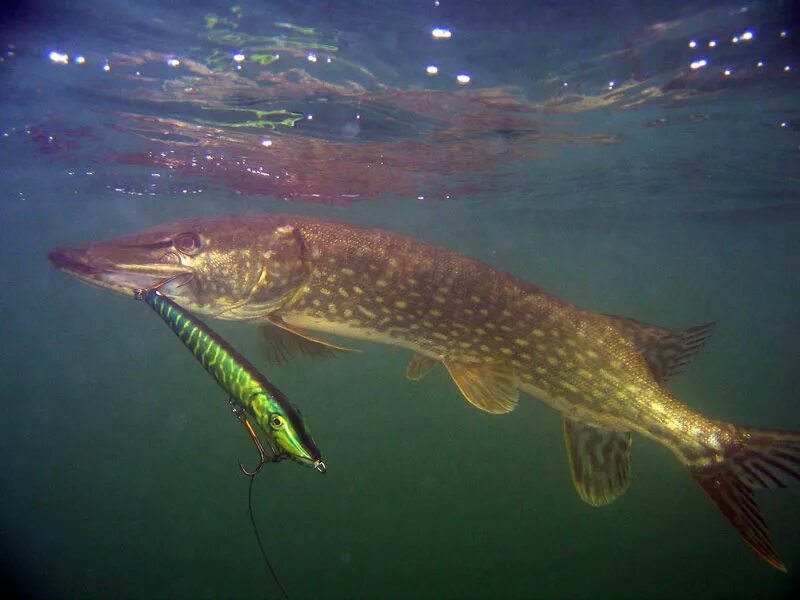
250	392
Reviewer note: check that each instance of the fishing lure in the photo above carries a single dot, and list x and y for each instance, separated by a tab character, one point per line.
249	391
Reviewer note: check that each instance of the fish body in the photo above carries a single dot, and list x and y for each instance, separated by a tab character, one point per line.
496	335
248	389
371	285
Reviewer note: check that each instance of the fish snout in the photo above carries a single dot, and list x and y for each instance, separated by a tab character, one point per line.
73	258
118	267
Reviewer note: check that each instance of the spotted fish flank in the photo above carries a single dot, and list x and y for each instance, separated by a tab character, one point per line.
497	336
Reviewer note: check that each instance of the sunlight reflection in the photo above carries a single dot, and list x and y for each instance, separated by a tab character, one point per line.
59	58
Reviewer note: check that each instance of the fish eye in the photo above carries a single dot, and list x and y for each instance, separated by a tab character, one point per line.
188	243
276	422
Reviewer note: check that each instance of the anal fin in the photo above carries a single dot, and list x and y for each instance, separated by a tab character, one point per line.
599	459
491	389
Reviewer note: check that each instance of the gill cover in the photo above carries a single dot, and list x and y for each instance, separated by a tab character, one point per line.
245	272
285	267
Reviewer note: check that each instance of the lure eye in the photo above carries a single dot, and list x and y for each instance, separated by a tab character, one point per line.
276	422
188	243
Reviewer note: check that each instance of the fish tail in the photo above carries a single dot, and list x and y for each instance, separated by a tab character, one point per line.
753	459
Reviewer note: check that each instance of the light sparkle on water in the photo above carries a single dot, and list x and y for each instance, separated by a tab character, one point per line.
59	58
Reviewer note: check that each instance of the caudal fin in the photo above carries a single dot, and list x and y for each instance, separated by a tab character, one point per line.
760	458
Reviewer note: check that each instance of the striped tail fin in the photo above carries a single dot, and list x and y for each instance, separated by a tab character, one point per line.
761	458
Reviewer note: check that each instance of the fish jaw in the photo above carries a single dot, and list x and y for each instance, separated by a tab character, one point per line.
118	268
230	267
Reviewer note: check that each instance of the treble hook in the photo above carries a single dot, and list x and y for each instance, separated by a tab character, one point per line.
238	411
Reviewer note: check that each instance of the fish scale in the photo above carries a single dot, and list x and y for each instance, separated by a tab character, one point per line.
432	301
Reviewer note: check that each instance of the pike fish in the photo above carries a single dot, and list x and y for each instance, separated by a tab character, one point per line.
495	334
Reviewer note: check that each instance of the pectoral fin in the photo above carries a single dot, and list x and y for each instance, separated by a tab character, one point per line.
281	341
599	459
419	366
492	389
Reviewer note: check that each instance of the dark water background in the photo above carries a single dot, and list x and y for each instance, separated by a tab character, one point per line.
119	474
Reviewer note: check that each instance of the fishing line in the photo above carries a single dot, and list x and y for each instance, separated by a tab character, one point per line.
258	538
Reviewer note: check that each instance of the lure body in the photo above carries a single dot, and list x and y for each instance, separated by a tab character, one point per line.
247	387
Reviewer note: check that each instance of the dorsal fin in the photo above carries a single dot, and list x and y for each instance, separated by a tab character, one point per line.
492	389
667	352
599	460
280	342
419	366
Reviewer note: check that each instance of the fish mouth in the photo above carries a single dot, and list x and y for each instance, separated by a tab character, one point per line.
74	259
118	268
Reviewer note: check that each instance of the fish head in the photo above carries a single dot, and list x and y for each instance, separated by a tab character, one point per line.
287	432
228	267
